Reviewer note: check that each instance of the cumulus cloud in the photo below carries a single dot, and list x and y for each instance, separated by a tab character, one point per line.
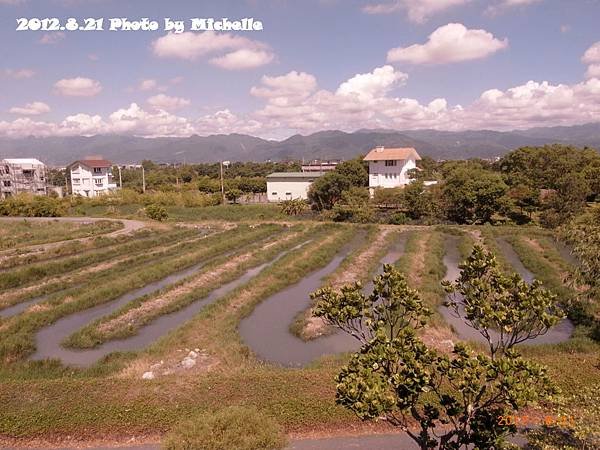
18	74
374	84
233	52
592	58
504	5
418	10
448	44
52	38
294	103
167	103
147	85
31	109
243	59
78	87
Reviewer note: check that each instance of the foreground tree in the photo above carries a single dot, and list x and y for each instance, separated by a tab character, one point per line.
442	401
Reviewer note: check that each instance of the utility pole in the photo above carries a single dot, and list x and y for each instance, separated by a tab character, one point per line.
120	178
143	179
222	185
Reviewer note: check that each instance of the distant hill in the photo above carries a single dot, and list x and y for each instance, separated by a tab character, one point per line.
324	144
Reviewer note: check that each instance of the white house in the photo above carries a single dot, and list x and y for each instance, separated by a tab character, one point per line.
91	177
20	175
289	185
388	167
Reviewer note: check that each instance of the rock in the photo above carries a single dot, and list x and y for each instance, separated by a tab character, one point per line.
148	376
197	350
188	362
192	354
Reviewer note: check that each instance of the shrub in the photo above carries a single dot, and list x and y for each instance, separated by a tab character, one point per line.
32	206
157	212
234	428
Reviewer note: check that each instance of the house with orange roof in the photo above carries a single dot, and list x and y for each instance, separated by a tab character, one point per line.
389	167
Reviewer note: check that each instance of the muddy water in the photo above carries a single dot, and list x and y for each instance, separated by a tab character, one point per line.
557	334
48	340
18	308
266	330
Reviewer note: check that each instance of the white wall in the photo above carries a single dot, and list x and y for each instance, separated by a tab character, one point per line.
384	176
87	183
280	189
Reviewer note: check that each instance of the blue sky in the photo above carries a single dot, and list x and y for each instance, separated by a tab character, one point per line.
318	64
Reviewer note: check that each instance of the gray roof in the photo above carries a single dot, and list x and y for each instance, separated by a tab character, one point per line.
294	175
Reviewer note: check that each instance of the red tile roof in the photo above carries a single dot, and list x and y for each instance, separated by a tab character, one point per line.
93	163
382	153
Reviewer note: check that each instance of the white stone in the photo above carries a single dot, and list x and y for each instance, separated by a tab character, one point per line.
192	354
188	362
148	376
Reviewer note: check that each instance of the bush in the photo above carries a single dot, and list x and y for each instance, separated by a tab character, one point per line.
234	428
32	206
397	219
157	212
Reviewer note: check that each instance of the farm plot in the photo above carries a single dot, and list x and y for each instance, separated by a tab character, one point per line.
205	321
18	234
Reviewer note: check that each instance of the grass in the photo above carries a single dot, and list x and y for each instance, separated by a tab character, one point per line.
45	399
46	274
16	234
91	335
16	341
231	213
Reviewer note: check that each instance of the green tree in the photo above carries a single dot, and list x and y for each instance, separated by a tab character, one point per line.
353	207
473	196
457	400
327	190
157	212
233	195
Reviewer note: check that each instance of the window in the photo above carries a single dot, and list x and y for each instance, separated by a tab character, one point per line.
7	183
98	181
97	169
76	180
273	193
391	163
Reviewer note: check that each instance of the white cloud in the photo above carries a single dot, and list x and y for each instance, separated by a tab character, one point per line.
296	85
231	51
374	84
52	38
147	85
593	71
448	44
11	2
418	10
78	87
18	74
31	109
167	103
592	54
223	121
504	5
243	59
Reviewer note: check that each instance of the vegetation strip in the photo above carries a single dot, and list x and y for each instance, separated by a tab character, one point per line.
131	249
129	319
16	340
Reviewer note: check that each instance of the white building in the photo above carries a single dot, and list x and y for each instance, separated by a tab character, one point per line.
91	177
388	167
22	175
289	185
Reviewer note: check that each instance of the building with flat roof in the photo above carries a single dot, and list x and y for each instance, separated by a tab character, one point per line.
22	175
289	185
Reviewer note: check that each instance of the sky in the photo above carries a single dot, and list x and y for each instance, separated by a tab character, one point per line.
315	65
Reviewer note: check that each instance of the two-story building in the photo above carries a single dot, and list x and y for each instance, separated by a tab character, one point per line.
91	177
389	167
22	175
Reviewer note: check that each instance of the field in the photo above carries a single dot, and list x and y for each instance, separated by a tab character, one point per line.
121	335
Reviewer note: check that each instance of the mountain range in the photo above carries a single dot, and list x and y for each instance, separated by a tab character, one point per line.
332	144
